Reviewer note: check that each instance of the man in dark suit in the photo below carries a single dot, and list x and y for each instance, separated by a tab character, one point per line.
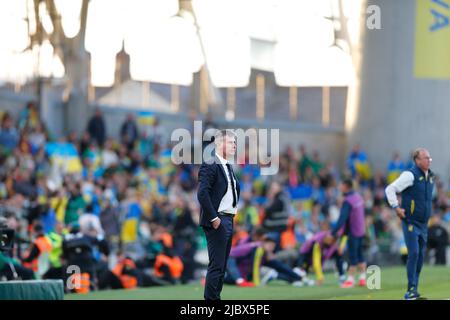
218	194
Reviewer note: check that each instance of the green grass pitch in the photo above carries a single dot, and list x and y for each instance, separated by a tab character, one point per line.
434	284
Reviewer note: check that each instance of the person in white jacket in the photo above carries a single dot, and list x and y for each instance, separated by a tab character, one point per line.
416	186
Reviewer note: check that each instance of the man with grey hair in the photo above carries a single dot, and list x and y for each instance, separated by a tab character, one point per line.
218	195
416	186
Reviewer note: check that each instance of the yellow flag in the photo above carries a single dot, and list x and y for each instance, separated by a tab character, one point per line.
129	230
432	48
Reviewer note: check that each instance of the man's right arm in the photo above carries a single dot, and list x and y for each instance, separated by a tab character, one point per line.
206	177
405	180
343	216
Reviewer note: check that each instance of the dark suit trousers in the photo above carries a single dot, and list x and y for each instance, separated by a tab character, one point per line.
219	246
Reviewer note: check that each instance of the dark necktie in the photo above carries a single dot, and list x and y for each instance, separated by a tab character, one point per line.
233	188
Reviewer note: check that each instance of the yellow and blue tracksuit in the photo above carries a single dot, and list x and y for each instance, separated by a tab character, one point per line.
417	202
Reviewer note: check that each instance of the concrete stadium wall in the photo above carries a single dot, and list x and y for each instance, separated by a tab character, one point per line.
13	103
52	106
396	111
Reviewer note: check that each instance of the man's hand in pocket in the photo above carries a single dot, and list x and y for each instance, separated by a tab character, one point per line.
400	213
216	223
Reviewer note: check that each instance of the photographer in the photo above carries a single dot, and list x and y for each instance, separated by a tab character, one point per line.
86	248
10	269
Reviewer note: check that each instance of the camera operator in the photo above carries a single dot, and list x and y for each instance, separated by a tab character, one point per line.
10	268
86	248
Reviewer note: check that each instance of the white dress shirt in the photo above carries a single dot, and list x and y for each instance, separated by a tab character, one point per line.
226	204
405	180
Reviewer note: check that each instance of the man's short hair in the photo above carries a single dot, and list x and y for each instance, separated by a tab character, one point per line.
416	153
348	182
220	134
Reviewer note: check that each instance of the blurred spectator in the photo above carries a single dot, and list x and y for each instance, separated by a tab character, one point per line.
358	164
248	213
304	161
37	138
86	250
41	246
96	128
129	132
9	137
276	213
317	250
168	265
438	240
246	261
395	168
75	206
155	136
110	217
185	233
29	117
109	156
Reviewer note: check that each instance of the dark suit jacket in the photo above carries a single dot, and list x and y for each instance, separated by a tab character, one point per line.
213	185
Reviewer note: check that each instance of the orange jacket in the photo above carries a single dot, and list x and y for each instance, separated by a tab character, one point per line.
288	239
44	245
128	281
174	263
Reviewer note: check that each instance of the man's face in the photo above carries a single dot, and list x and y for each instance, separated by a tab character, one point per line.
424	160
229	146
